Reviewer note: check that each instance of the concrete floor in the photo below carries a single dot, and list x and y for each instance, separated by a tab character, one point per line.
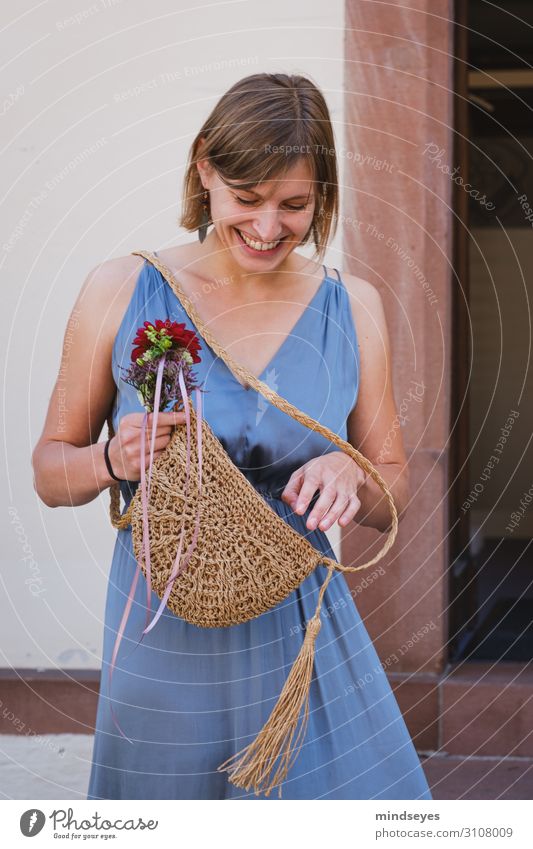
53	766
57	766
454	777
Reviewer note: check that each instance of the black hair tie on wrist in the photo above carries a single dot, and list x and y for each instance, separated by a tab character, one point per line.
109	467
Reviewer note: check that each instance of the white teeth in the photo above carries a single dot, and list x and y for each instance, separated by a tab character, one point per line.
258	246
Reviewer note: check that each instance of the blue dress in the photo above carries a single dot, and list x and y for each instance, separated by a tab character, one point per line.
188	697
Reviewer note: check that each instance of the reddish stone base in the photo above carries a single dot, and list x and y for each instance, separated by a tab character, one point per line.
48	701
471	709
472	725
455	777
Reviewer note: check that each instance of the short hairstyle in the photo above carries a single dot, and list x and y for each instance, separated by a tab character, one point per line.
259	128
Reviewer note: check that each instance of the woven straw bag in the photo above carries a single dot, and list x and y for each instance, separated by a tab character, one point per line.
247	558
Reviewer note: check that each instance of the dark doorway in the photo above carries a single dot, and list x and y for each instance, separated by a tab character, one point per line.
491	465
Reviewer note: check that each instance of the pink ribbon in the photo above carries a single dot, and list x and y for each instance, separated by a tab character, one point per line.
177	569
145	491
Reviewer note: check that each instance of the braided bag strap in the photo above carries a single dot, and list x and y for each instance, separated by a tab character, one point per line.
248	379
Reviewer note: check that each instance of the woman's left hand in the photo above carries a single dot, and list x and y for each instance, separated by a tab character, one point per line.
338	478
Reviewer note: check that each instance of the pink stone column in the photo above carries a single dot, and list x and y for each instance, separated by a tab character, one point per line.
397	234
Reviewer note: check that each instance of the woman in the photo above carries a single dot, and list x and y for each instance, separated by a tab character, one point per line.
262	172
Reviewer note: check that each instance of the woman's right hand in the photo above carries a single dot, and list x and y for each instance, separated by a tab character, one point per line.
125	446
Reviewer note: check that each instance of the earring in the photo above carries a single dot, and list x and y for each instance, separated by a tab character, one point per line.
202	230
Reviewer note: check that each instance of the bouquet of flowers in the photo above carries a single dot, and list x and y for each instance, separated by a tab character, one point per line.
166	345
161	372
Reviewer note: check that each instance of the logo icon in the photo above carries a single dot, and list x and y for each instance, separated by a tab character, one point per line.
271	380
32	822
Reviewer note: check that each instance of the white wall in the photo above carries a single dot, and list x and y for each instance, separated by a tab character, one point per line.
102	102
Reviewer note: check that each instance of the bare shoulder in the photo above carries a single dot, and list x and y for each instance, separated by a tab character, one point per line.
371	421
103	299
361	290
107	289
367	306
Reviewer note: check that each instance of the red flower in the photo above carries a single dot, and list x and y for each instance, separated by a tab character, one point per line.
181	337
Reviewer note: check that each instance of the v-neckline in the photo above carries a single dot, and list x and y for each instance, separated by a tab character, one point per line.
288	338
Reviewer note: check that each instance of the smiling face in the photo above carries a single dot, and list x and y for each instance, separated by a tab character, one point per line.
261	224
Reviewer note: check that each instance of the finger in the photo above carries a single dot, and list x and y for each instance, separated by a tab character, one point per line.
131	454
160	436
168	418
308	489
336	511
290	493
159	449
351	510
322	505
162	428
164	421
161	441
322	511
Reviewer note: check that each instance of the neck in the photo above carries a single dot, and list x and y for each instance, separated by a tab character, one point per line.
219	264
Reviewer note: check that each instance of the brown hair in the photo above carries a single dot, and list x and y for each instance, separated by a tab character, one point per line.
259	128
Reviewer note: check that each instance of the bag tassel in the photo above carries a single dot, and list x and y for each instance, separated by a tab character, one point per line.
254	764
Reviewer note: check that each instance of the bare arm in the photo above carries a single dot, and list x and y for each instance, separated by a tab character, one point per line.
68	462
373	423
